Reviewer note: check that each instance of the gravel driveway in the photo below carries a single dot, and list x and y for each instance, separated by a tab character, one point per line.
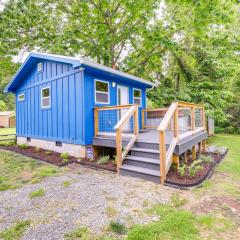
93	199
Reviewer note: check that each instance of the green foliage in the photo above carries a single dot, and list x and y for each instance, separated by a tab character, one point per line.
65	157
23	146
103	159
38	193
3	106
173	222
16	232
191	50
80	233
182	170
117	227
48	153
17	170
178	201
205	159
195	167
66	183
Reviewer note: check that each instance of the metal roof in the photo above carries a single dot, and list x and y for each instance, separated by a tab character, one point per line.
76	62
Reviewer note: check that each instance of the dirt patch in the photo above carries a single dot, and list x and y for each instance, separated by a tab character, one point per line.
55	158
174	178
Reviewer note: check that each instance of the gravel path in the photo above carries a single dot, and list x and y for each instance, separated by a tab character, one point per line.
93	199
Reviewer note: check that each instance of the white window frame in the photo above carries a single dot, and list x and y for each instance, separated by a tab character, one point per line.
19	95
43	107
38	67
137	89
95	89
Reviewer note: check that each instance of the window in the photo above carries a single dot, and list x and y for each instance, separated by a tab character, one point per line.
45	97
40	67
101	91
21	97
137	97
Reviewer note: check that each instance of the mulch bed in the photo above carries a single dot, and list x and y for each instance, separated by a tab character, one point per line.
174	179
55	158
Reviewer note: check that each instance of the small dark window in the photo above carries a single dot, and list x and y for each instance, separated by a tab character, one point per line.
28	139
59	144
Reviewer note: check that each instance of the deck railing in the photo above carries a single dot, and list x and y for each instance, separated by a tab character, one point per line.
120	122
166	155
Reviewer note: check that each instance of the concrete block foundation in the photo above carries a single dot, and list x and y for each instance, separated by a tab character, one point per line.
75	150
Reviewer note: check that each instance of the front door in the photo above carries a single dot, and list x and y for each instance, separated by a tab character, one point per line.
123	99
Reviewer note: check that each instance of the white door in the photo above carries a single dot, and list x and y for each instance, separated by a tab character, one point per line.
123	99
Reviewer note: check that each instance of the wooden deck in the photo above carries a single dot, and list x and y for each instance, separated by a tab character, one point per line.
152	137
149	152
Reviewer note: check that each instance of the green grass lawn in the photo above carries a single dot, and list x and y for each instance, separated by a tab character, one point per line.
7	131
231	163
17	170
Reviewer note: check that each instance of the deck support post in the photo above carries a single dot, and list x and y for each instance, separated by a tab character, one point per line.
204	143
119	148
96	122
143	119
194	154
162	149
176	159
185	157
200	147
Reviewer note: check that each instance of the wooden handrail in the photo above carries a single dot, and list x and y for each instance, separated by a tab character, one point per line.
126	117
172	112
113	107
168	116
133	111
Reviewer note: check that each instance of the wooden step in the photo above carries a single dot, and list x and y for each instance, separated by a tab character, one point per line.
140	172
145	152
149	163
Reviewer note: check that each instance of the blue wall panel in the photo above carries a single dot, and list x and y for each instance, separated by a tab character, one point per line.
71	115
63	121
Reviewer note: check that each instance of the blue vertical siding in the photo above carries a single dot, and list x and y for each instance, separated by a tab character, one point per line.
70	118
63	121
89	103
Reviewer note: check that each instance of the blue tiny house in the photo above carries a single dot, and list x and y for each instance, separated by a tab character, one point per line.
56	97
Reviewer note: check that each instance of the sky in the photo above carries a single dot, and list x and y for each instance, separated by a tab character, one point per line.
2	3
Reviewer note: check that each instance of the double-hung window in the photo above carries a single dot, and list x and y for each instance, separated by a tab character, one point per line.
102	92
45	97
137	97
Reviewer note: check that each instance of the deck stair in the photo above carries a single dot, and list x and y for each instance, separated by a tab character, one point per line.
142	162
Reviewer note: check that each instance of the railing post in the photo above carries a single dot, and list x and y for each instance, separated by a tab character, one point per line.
203	119
143	118
192	118
135	121
176	132
162	149
96	122
119	148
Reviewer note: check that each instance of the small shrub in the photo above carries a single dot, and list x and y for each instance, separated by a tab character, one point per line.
111	211
205	159
195	167
15	232
38	193
230	130
48	153
103	159
23	146
117	227
64	156
178	201
182	170
80	233
219	130
66	184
